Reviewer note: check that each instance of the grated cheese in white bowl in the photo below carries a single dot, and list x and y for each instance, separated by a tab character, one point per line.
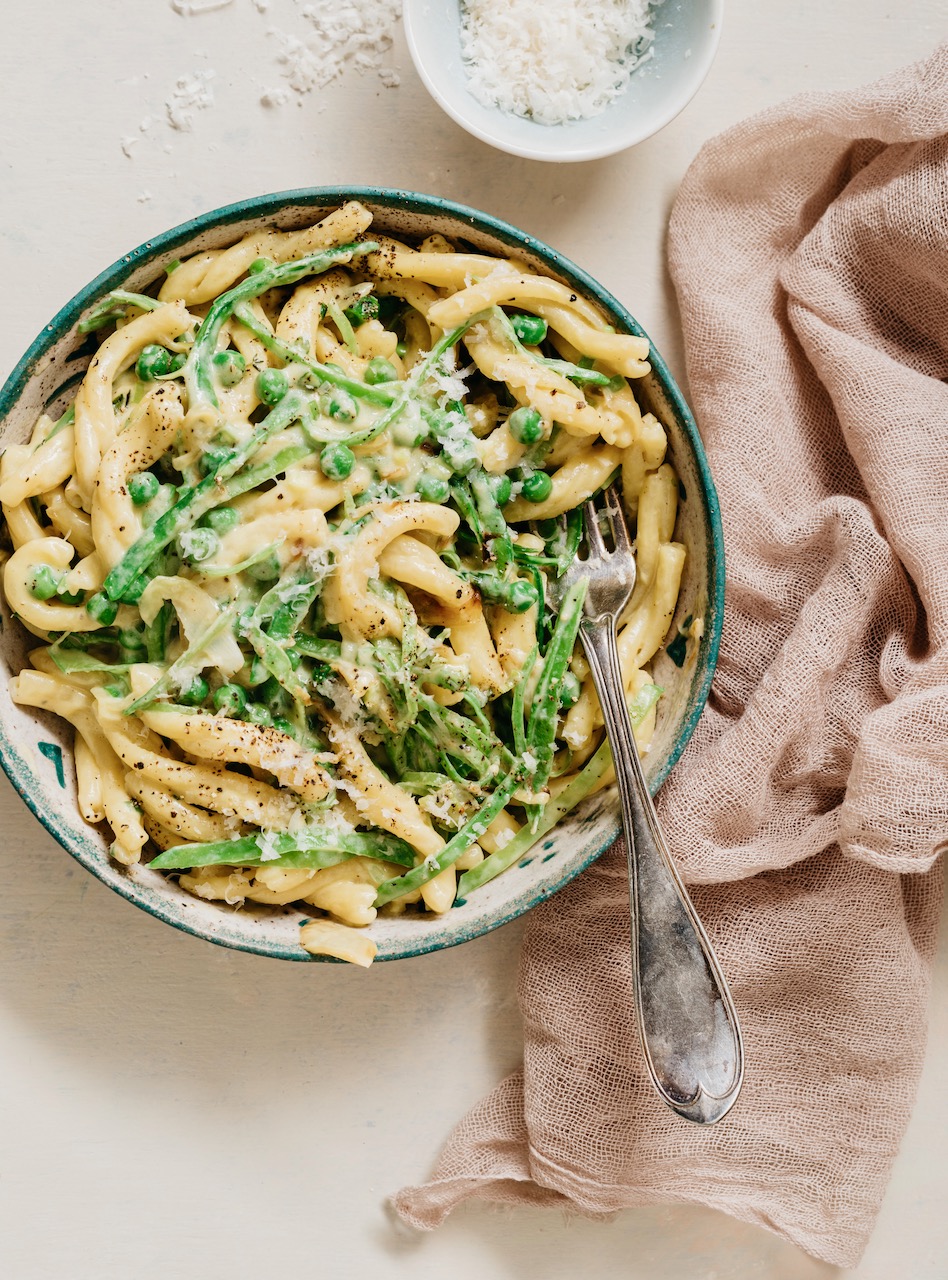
554	60
562	80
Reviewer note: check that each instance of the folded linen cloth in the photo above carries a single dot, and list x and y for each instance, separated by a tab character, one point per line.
809	250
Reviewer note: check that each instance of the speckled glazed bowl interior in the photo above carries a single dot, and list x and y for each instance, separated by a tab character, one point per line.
36	749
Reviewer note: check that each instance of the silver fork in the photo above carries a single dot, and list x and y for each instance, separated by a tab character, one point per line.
686	1018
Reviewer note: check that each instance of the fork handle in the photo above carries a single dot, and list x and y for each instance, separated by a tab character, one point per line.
686	1018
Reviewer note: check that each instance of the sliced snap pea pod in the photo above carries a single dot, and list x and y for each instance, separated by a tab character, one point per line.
518	723
68	660
183	665
571	795
312	849
197	372
198	499
113	306
575	372
277	661
472	830
549	690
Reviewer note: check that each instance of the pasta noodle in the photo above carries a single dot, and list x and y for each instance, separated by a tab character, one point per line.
289	552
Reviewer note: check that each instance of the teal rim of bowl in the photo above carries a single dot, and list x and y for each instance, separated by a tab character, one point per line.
16	768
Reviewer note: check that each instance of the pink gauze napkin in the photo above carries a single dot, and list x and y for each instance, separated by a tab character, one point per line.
809	250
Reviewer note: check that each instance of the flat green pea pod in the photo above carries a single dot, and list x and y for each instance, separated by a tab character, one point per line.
197	373
114	306
516	596
312	849
196	501
576	791
472	830
548	694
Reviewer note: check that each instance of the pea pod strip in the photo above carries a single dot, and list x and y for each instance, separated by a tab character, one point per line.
199	499
197	371
113	306
312	849
575	372
549	691
183	666
277	661
472	830
571	795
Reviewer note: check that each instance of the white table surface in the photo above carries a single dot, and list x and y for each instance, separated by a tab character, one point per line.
169	1109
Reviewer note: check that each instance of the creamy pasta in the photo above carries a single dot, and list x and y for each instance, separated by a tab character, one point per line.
287	558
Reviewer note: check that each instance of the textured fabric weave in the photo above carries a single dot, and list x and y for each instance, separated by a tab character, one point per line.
809	250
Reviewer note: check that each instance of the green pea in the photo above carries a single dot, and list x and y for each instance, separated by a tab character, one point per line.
195	693
229	366
338	404
259	264
401	349
520	597
271	385
257	713
531	330
231	699
178	361
285	726
320	673
102	609
200	544
44	583
221	519
142	487
364	309
537	487
501	487
337	461
213	458
72	597
266	570
571	690
432	488
153	362
380	370
525	425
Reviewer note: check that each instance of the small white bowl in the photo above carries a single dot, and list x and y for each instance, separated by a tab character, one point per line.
686	39
36	747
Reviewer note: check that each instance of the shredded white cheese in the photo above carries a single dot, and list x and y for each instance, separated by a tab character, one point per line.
190	94
266	843
345	33
554	60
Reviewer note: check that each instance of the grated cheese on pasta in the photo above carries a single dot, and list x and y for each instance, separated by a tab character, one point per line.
554	60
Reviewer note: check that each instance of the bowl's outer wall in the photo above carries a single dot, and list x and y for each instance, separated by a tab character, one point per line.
35	749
